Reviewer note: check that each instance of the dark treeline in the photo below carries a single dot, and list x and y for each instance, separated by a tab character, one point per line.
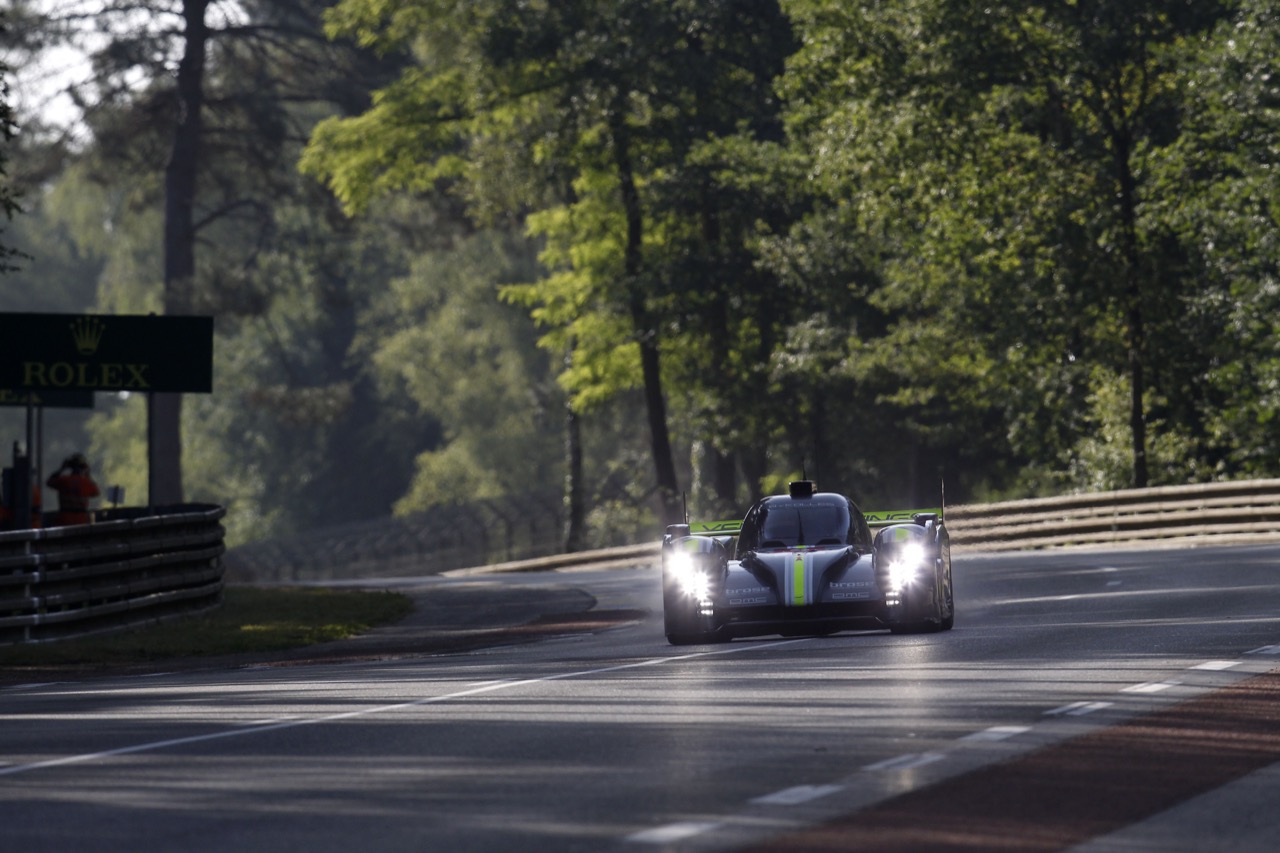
637	253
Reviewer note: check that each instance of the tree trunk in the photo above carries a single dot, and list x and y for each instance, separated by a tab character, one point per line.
647	335
165	410
755	465
575	506
724	481
1127	185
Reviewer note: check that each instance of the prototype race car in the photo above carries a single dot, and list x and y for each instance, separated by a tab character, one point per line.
806	563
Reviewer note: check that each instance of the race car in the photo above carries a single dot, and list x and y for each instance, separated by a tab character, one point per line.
806	563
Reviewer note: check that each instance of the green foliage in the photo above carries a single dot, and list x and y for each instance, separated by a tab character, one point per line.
64	249
583	252
1015	245
1100	460
8	195
1216	190
597	113
470	361
997	161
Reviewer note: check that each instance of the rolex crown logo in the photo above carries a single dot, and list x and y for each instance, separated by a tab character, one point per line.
87	332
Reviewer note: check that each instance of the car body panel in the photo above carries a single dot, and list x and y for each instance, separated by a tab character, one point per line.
806	564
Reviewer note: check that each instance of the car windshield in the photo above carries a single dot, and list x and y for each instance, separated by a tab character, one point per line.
798	523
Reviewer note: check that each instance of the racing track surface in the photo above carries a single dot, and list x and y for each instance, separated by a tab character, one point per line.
1122	701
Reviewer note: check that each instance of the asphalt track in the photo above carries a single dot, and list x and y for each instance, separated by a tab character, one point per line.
1068	793
1099	703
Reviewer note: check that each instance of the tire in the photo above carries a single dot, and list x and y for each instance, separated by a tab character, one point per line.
947	591
935	621
939	614
683	625
949	605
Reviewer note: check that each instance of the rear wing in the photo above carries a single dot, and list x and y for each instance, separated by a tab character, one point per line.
884	518
877	518
716	528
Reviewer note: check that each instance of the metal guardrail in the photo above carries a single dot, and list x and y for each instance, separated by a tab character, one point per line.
1229	513
135	566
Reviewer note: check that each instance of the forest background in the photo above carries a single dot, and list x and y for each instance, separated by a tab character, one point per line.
624	257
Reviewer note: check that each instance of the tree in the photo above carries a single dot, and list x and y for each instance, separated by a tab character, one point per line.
157	80
1000	157
1213	186
617	98
884	253
1112	67
8	126
164	417
471	362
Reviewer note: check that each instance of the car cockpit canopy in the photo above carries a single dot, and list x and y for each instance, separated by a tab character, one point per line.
802	519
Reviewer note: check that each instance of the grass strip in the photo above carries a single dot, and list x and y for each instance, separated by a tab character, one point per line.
250	620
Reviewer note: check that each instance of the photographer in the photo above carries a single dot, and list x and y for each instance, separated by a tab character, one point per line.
75	489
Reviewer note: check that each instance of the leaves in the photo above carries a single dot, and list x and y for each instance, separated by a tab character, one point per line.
1025	246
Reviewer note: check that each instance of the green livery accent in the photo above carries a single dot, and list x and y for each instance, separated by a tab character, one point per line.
897	516
716	528
798	588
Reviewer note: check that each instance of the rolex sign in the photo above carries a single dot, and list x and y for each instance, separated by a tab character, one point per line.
106	352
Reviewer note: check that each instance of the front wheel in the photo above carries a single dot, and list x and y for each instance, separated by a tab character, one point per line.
926	618
683	624
692	629
947	591
949	607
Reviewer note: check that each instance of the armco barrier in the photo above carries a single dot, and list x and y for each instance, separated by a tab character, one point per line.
1230	513
134	566
1227	513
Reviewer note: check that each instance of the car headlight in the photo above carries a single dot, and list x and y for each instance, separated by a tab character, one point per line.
908	566
690	577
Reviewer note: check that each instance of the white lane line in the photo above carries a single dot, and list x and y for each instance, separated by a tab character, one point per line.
271	722
147	747
367	712
673	832
996	733
1077	709
1151	686
910	761
797	795
1265	650
1216	665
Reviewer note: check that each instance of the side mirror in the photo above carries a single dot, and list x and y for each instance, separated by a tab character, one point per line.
674	532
